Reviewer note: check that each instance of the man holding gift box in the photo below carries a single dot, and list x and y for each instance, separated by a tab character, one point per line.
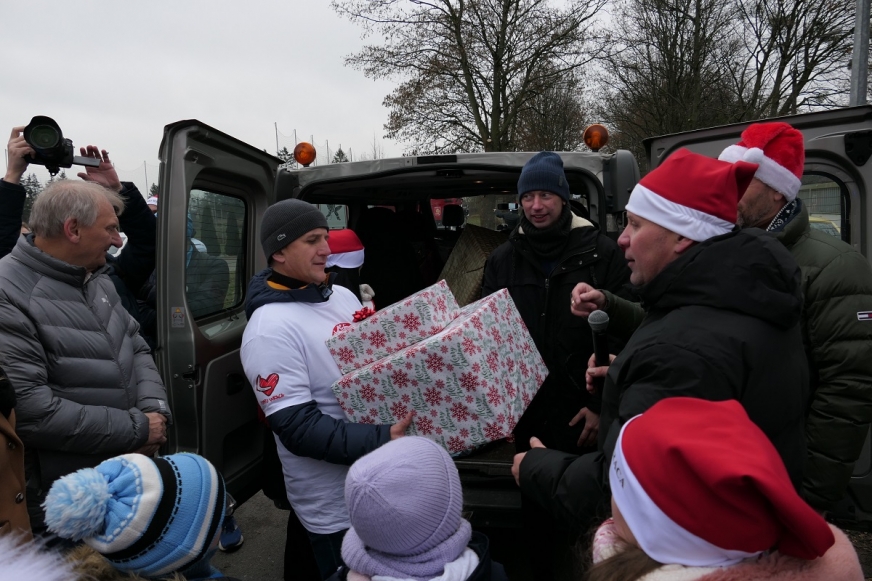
550	252
292	310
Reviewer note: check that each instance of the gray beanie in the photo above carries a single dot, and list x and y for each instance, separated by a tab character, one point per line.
285	221
544	172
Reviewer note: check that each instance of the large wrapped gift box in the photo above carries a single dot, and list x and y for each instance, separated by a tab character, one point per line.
393	328
468	384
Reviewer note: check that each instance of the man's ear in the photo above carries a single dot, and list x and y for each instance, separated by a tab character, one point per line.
682	244
71	230
278	257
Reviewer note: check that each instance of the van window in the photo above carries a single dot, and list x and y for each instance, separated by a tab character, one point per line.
336	214
215	253
826	200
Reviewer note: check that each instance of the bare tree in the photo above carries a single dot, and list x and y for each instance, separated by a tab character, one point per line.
471	67
554	119
672	70
795	54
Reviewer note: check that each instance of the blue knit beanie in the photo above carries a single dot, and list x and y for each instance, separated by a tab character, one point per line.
404	502
147	516
544	172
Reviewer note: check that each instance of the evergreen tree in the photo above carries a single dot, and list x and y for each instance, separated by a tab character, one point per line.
340	156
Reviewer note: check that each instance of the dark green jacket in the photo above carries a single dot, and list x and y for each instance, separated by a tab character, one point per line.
836	286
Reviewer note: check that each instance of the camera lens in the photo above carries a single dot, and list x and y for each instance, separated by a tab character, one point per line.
44	136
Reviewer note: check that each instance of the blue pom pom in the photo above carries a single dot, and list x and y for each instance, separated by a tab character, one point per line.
76	505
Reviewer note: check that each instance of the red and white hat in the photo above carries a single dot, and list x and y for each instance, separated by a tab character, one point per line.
699	484
778	149
346	249
692	195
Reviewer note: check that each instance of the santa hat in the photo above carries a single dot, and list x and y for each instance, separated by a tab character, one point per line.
692	195
778	149
346	249
699	484
152	201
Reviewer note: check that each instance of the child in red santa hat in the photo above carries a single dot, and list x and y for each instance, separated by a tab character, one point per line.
346	258
700	494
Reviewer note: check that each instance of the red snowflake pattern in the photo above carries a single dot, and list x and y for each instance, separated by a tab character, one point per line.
401	334
469	346
459	412
434	363
381	397
400	378
473	417
444	348
406	399
438	430
399	410
441	307
449	368
456	444
447	399
345	382
432	396
494	397
493	361
501	419
346	355
373	412
424	425
414	383
476	322
510	389
510	365
378	368
469	399
365	420
468	381
411	322
440	384
476	368
357	381
345	395
367	392
526	398
378	339
525	371
434	413
409	365
493	432
464	433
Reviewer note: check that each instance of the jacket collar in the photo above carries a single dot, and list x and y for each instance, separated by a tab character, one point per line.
26	252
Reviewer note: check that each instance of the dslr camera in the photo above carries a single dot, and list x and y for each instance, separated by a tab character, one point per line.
44	135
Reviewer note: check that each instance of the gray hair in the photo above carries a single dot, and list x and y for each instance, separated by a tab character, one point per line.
65	199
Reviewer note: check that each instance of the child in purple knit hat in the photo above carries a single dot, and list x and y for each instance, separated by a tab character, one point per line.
404	502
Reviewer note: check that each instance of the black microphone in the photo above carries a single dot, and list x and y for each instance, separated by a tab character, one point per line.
599	323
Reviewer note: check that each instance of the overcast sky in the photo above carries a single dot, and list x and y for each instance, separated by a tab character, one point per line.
113	73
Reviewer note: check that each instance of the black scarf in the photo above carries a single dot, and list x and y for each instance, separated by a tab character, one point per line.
785	215
547	243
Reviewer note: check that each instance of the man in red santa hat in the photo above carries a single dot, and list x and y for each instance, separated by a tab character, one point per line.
837	309
721	321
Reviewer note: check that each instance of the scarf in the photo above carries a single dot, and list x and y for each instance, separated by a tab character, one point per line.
548	243
785	215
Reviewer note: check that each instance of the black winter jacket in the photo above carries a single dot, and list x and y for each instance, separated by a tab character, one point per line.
722	322
563	340
487	569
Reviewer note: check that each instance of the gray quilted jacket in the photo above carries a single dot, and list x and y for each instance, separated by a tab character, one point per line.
83	376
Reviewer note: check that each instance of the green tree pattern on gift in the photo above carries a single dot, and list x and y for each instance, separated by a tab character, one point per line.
476	436
446	422
388	388
384	414
356	344
452	387
482	408
421	373
458	359
389	327
423	311
357	404
418	401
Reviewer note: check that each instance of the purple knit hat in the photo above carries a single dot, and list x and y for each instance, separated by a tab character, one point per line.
404	501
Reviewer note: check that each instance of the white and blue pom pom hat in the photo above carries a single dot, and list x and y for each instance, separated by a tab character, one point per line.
149	516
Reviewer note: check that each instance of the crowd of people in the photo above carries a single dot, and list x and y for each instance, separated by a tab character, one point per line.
711	446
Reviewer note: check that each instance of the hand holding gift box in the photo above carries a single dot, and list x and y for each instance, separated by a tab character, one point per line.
468	383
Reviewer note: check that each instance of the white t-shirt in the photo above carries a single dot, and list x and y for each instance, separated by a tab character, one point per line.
287	363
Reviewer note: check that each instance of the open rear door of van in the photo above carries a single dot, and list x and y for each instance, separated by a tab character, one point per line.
836	189
213	190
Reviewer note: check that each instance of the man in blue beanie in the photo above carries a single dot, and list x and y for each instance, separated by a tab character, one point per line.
551	251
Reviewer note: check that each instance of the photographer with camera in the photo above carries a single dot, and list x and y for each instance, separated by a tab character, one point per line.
12	197
86	385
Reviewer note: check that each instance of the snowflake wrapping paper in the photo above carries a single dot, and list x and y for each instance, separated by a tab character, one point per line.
468	384
393	328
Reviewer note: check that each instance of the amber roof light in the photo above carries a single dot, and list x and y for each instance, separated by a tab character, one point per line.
596	136
304	153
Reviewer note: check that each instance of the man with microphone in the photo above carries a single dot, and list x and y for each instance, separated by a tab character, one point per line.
722	321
